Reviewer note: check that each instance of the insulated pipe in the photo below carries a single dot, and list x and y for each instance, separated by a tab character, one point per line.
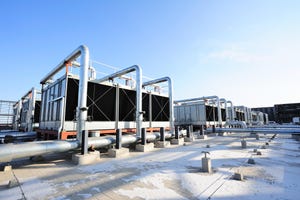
30	114
139	112
244	109
226	109
257	130
17	134
17	115
232	110
82	51
170	88
9	152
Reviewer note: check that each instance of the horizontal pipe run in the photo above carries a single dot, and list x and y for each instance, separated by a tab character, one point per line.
76	53
255	130
9	152
17	134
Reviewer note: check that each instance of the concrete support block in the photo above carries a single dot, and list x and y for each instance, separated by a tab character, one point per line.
203	137
162	144
206	165
7	168
13	183
238	176
144	148
223	134
251	161
179	141
118	153
86	159
189	139
244	144
296	136
257	137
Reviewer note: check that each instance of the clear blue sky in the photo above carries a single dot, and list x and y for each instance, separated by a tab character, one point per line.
245	51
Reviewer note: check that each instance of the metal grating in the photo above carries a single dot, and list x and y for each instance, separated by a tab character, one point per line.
6	114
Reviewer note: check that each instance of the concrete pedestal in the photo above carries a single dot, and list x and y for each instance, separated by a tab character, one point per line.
144	148
244	144
86	159
179	141
161	144
296	136
6	168
203	137
238	176
13	183
251	161
117	153
257	137
206	165
191	139
223	134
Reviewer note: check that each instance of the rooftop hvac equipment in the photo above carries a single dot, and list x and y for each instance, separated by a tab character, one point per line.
100	104
27	111
200	111
6	114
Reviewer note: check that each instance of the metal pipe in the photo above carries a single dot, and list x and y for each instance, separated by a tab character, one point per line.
17	115
232	110
256	130
82	51
139	112
9	152
171	105
62	116
16	134
226	109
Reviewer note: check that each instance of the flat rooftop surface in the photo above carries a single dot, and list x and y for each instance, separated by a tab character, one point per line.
171	173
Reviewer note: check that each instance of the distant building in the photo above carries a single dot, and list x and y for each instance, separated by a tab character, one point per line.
284	113
281	113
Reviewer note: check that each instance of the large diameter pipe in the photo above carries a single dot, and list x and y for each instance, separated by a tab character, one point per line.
139	112
82	93
170	88
232	109
82	51
226	108
17	134
9	152
256	130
